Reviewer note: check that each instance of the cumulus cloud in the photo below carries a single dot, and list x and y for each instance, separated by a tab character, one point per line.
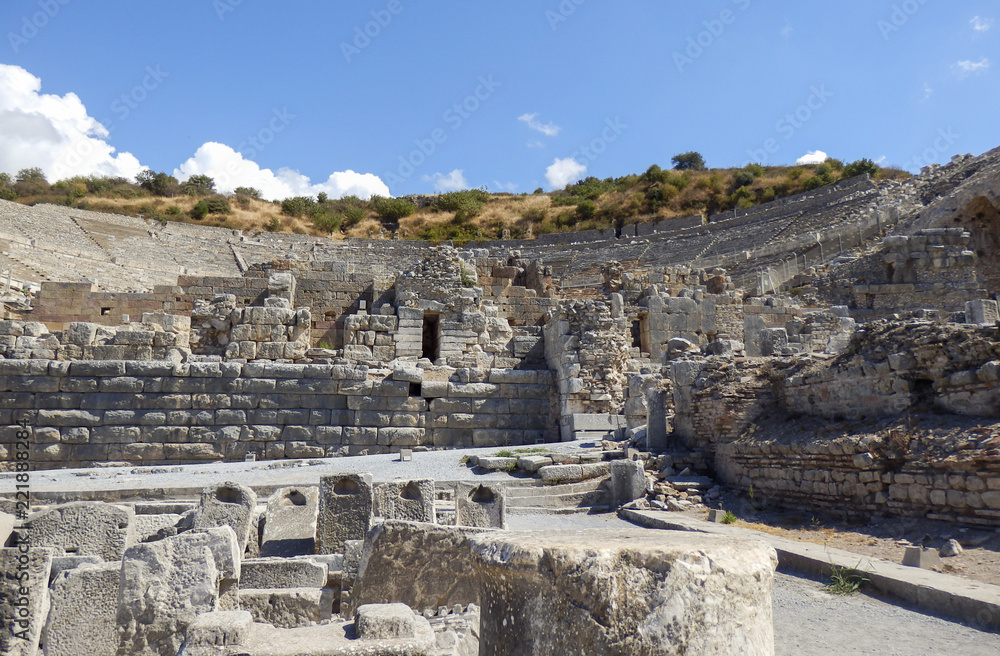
814	157
548	129
564	171
967	67
981	24
230	170
53	133
454	181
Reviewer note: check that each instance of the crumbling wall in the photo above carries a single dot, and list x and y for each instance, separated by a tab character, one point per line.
892	471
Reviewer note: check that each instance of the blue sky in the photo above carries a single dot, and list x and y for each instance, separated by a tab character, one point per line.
401	97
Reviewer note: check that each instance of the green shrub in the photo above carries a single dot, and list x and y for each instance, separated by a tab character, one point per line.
768	195
327	222
298	206
465	204
392	209
585	210
729	518
834	164
756	169
743	178
860	167
211	205
198	185
249	192
353	216
158	184
822	170
274	225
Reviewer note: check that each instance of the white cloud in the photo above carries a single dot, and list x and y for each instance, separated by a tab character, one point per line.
536	144
230	170
548	129
968	67
814	157
981	24
787	30
928	91
454	181
53	133
564	171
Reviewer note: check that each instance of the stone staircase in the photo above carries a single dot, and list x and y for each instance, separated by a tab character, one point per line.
566	498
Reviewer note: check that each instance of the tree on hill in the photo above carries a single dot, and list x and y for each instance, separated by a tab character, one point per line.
691	161
859	167
158	184
199	185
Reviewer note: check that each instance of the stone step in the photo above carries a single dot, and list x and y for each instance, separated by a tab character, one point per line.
571	500
515	492
542	510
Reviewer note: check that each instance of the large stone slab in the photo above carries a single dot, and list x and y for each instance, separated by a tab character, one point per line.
85	528
411	501
165	585
290	522
82	618
628	481
346	507
24	598
283	573
229	504
286	608
420	565
624	593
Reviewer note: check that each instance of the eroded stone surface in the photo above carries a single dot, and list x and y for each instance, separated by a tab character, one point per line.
631	593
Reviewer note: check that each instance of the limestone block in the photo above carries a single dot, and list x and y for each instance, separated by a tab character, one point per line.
622	593
290	522
532	464
285	608
166	584
346	506
81	333
265	573
82	617
628	481
219	629
85	528
982	312
229	504
24	598
420	565
772	341
385	622
483	505
406	500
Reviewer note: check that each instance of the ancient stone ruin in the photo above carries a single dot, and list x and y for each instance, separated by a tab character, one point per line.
838	349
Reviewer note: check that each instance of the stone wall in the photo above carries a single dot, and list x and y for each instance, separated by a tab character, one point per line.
890	473
87	413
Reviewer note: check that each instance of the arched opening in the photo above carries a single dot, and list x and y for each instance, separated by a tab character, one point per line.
482	494
346	486
411	492
227	494
293	498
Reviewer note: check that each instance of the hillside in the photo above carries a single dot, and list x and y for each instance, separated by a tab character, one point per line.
460	216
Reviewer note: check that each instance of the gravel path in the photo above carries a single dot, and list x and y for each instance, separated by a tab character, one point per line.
810	622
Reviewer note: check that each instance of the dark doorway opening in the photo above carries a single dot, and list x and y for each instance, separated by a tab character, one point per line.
431	343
